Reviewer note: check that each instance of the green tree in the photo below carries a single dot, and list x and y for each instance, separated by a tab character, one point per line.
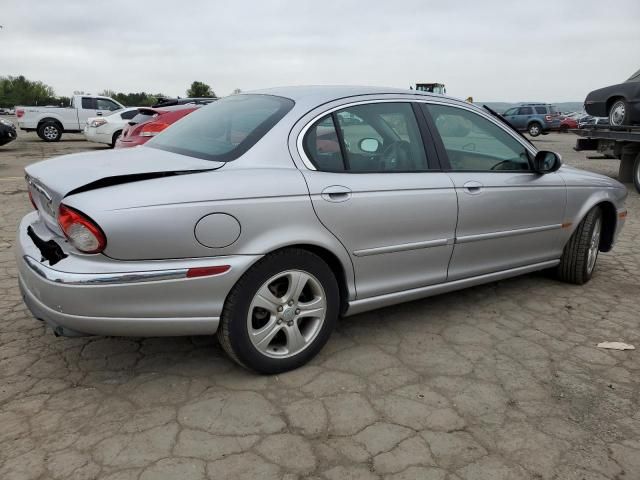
21	91
200	89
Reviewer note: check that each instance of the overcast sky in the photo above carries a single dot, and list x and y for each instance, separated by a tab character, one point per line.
544	50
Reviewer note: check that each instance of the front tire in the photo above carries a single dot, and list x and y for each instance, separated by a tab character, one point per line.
50	131
281	312
534	129
619	113
115	137
578	260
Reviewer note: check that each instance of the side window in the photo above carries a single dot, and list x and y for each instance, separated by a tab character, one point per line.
474	143
104	104
322	146
88	103
376	137
128	115
541	110
511	111
381	137
525	111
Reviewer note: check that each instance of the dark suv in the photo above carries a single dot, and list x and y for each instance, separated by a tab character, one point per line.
535	118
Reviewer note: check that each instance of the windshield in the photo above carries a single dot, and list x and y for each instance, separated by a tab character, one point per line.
224	130
635	77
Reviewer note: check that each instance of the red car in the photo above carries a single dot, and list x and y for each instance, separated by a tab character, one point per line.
568	123
149	122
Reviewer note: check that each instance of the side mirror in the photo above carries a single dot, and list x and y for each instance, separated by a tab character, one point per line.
369	145
547	162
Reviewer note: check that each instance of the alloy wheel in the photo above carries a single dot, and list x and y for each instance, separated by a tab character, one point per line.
616	117
50	132
594	246
286	314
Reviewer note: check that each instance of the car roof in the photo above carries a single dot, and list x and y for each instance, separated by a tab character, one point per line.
325	93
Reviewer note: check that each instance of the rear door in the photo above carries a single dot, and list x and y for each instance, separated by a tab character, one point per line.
377	187
508	215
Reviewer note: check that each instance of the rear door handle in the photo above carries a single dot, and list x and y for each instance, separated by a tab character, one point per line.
472	187
336	193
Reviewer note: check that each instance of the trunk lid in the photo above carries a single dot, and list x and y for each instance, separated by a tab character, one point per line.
51	180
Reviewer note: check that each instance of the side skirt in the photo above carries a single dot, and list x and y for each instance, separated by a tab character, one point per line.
366	304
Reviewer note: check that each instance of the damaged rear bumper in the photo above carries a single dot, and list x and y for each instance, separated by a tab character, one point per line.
96	295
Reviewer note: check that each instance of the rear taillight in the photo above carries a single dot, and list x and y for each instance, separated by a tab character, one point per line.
81	231
153	128
32	200
19	113
548	118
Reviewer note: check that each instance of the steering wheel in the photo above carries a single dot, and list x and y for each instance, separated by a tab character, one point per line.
396	155
503	162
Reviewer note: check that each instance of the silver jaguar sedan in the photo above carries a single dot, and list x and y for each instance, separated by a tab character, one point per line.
265	216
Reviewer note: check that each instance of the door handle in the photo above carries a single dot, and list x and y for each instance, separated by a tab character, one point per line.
472	187
99	114
336	193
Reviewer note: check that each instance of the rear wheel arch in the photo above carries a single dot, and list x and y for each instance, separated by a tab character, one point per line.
612	100
50	119
334	263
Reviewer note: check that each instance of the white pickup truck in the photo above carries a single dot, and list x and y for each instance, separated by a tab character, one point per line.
52	122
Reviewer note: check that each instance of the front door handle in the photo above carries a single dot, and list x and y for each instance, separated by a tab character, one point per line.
472	187
99	114
336	193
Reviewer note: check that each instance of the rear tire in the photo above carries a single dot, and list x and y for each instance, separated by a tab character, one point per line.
578	260
289	300
50	131
534	129
620	113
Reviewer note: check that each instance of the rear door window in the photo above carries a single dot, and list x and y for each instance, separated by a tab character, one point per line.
88	103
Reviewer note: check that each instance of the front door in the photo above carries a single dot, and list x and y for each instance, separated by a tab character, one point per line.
508	216
374	188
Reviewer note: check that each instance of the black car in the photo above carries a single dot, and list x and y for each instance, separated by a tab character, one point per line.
620	103
171	102
7	132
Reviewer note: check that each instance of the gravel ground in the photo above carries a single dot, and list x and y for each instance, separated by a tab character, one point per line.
498	382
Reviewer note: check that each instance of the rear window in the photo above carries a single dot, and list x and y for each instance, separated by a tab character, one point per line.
143	117
225	129
553	109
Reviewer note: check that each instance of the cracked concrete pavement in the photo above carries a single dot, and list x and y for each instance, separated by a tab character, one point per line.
498	382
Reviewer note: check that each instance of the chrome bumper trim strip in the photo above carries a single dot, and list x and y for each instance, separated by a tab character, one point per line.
403	247
67	278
